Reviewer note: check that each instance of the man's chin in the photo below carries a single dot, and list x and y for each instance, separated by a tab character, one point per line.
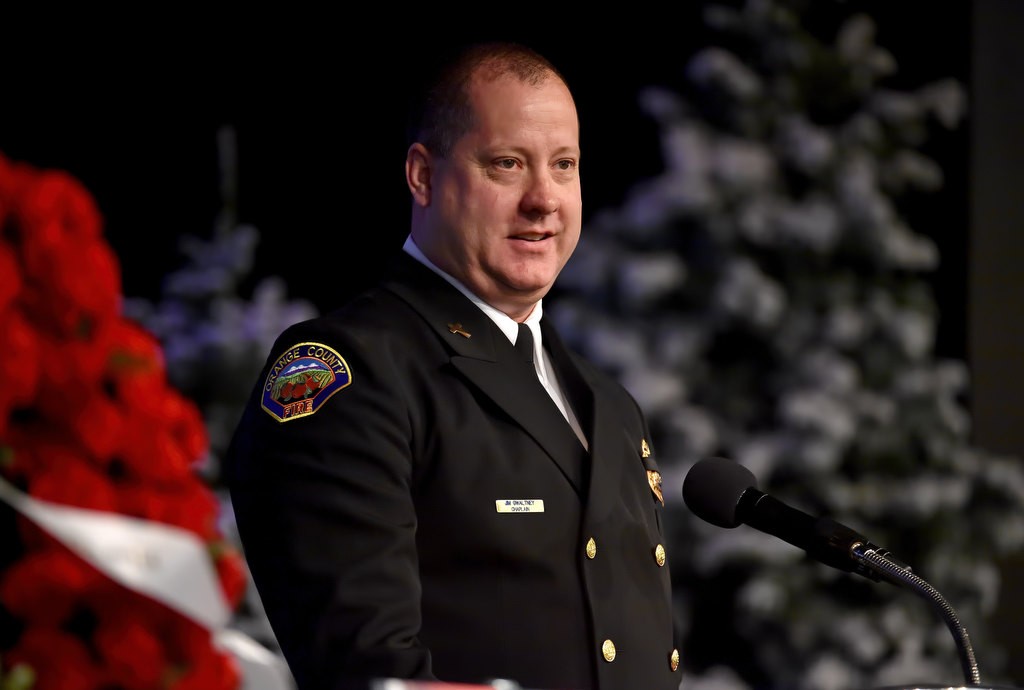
531	289
513	296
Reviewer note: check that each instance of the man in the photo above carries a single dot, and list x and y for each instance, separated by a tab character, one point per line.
419	500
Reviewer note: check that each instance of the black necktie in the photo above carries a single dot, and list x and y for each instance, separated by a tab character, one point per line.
524	343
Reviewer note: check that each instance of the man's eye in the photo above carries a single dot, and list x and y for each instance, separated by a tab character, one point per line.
565	164
506	163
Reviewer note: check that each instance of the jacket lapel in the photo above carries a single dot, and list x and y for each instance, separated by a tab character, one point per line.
485	357
524	399
599	422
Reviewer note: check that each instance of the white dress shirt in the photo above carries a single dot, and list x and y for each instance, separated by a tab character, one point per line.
508	326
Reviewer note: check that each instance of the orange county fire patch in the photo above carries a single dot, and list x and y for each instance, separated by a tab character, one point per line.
302	379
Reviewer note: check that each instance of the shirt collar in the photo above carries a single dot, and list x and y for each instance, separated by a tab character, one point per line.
506	323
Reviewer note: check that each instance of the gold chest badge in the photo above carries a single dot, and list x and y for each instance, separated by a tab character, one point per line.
654	479
653	476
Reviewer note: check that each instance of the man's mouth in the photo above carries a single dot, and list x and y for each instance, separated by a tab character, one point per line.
532	236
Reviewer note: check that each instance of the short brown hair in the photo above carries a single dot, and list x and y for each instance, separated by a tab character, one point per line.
443	113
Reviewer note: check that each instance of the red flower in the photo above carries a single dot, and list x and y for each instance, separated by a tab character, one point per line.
20	365
15	179
10	275
41	647
232	573
45	586
129	648
72	278
188	504
75	367
87	419
96	423
163	436
77	287
56	208
70	479
150	453
134	356
52	213
208	668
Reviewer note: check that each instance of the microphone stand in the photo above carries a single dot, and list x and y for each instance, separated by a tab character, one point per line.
901	575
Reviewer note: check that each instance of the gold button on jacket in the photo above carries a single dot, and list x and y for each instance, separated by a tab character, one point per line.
608	650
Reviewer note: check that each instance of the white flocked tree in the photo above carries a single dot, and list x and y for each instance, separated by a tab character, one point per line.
766	300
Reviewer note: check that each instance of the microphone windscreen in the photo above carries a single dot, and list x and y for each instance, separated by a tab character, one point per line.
713	487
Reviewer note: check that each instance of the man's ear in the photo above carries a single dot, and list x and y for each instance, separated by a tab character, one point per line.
418	169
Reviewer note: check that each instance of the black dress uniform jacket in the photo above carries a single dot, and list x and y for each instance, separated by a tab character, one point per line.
412	504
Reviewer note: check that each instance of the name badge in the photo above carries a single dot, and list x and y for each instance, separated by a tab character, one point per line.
519	505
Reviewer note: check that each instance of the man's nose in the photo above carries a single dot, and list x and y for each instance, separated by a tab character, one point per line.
540	195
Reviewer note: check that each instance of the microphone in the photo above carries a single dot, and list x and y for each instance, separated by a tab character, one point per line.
724	493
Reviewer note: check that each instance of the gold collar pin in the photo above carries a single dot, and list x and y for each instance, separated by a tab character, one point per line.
457	328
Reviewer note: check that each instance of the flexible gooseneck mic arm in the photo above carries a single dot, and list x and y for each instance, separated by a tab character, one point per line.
894	572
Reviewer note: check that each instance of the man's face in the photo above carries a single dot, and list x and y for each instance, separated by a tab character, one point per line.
505	209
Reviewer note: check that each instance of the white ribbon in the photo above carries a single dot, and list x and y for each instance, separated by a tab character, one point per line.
167	563
261	668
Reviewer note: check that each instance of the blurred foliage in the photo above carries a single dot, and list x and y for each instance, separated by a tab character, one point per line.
766	299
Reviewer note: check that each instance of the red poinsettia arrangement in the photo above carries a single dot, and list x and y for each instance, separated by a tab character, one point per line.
89	420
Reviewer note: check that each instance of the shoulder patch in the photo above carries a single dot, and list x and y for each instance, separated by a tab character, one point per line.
302	379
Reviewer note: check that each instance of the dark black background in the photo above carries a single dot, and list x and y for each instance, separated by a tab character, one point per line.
319	103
